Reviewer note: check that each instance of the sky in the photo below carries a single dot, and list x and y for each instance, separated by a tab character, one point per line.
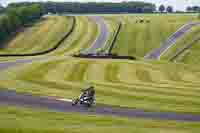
177	4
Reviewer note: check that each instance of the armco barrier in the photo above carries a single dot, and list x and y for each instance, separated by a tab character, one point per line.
180	51
114	38
108	56
46	51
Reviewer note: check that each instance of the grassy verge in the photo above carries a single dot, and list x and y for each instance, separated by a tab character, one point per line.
83	36
186	39
192	55
24	120
42	36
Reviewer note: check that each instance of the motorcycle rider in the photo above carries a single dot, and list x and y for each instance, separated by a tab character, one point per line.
88	93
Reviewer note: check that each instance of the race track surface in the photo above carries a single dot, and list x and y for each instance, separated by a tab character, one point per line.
103	35
12	98
8	64
155	54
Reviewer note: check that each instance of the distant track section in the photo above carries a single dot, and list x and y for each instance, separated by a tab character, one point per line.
155	54
102	37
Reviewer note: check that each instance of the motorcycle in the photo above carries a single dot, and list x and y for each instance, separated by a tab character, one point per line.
84	100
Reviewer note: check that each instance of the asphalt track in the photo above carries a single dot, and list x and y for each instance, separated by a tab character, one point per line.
8	64
52	104
64	105
155	54
103	35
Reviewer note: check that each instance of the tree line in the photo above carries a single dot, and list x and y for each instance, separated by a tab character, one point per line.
92	7
193	8
1	9
14	18
170	9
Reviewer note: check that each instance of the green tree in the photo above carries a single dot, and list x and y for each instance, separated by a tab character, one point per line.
170	9
16	17
161	8
3	26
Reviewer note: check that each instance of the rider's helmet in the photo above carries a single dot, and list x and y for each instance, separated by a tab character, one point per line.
92	91
89	90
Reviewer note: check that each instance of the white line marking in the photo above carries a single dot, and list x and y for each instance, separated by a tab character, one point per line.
66	100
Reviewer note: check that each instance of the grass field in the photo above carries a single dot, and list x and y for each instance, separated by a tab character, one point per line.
137	39
191	56
42	36
24	120
151	86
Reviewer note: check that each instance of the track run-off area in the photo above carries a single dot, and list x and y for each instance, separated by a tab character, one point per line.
64	105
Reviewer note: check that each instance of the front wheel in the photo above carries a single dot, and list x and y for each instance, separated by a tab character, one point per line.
75	102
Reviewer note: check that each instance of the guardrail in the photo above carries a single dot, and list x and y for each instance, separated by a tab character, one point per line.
106	56
115	38
46	51
180	51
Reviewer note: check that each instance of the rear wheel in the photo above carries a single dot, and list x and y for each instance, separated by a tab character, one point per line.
89	104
